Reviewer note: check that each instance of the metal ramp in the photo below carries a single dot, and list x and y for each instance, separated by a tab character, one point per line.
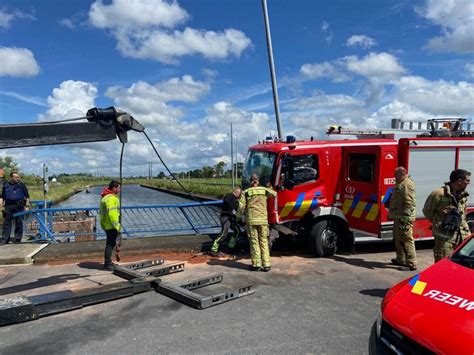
141	277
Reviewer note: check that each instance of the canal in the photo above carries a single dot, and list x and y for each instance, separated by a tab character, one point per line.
132	195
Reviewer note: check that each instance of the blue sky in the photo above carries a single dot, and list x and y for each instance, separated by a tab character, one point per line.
187	69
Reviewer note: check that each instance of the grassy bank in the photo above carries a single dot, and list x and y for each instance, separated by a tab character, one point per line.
60	192
212	187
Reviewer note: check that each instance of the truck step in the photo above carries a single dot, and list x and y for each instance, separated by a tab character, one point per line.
284	230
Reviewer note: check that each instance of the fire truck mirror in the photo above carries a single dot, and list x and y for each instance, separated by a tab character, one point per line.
289	184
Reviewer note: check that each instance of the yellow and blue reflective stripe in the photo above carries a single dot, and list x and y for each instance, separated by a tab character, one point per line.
387	195
372	209
300	206
418	286
358	207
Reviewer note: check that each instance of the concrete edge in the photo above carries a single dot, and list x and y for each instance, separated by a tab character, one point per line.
130	247
29	257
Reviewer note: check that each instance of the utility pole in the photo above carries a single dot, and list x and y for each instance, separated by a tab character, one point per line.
150	170
236	160
232	154
45	193
272	67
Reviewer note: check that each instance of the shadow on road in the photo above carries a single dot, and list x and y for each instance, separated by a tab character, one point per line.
234	264
91	265
374	292
364	263
47	281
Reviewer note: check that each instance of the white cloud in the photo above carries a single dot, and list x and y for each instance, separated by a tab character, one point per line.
6	18
382	118
456	19
361	40
381	67
18	62
137	14
326	30
151	103
66	22
146	30
30	99
324	70
438	98
185	144
469	69
311	115
327	103
72	99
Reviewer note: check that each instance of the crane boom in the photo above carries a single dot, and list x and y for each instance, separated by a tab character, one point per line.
103	125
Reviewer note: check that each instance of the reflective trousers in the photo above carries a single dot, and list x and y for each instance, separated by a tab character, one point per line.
226	223
259	249
404	243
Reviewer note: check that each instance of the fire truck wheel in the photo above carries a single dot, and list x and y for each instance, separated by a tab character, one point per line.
323	238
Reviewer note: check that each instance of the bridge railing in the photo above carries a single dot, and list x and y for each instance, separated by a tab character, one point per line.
83	224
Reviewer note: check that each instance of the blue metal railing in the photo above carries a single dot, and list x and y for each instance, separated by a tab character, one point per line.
83	224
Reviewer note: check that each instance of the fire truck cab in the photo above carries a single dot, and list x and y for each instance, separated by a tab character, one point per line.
332	192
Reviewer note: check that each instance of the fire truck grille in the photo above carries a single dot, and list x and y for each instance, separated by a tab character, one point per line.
400	343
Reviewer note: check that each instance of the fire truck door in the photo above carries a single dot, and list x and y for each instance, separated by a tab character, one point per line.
360	188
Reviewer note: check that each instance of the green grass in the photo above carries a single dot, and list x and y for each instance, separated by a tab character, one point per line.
60	192
217	188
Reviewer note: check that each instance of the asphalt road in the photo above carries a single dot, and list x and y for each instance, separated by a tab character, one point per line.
304	305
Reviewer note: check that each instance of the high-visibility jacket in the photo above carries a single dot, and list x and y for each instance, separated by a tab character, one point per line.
110	212
253	204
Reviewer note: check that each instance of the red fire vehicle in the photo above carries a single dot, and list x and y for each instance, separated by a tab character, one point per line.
431	312
333	191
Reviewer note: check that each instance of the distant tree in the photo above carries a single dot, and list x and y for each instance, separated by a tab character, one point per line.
8	165
219	168
207	171
161	175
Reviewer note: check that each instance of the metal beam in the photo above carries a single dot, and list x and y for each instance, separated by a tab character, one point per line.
23	309
34	134
128	272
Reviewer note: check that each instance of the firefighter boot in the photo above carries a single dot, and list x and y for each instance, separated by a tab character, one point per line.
232	242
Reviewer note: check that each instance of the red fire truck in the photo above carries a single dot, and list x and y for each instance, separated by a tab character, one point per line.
332	192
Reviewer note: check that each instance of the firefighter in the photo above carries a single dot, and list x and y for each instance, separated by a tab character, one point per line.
253	205
16	198
445	208
109	209
228	220
403	212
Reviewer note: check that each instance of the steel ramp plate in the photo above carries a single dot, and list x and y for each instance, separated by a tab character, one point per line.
183	292
129	274
143	264
22	309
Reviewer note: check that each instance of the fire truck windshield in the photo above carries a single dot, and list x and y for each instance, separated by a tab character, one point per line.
260	163
465	255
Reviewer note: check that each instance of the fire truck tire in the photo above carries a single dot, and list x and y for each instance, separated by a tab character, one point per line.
323	238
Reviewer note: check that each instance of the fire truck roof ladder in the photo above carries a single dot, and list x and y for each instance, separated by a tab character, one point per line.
436	127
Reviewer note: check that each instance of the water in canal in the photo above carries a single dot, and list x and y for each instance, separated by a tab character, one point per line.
132	195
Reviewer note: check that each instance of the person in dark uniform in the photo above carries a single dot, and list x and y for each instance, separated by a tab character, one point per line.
227	218
15	199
